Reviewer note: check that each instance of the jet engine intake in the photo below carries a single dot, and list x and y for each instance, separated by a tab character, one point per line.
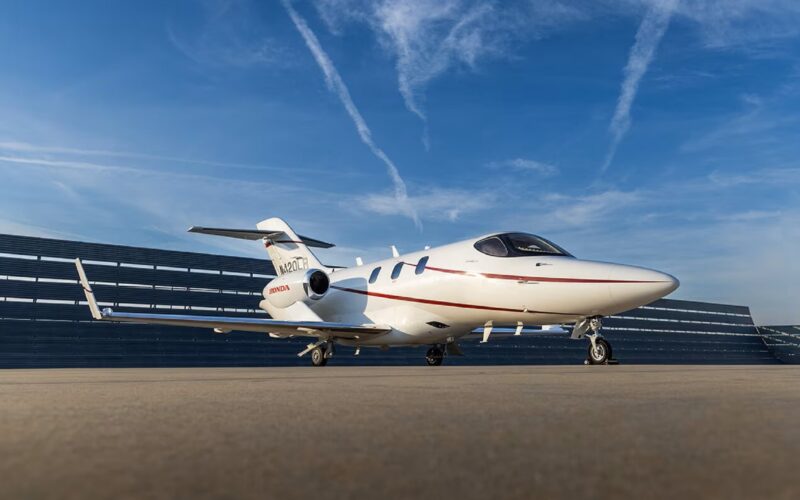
303	286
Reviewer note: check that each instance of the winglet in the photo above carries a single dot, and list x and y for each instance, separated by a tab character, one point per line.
87	289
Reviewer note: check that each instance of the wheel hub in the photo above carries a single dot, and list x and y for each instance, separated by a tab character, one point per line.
434	356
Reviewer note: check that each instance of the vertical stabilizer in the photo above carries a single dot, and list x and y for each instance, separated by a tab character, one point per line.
286	249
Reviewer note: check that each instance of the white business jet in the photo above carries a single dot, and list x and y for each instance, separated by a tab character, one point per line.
432	297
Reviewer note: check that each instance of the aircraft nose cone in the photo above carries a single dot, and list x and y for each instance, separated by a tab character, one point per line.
631	287
669	285
654	284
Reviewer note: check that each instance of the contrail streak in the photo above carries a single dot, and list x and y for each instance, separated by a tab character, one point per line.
24	147
650	32
336	85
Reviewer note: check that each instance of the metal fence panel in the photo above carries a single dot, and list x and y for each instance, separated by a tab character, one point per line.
65	249
120	274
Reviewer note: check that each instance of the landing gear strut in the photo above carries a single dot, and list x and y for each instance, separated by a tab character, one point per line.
434	356
599	348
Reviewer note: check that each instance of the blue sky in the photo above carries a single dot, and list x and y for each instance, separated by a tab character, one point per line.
659	133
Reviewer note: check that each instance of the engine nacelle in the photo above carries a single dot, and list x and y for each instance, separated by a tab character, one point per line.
298	286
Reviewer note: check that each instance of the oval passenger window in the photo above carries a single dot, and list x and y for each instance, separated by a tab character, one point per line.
421	265
374	276
396	271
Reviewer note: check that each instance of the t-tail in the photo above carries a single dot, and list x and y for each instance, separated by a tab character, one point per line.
287	250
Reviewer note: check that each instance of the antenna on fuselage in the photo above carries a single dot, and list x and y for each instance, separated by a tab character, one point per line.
395	253
359	262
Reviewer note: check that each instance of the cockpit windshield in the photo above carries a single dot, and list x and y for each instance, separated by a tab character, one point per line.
518	245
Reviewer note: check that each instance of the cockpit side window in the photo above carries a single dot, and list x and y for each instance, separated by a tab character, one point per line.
493	246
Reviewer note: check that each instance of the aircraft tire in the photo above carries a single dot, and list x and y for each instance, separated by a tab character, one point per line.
434	356
600	355
318	357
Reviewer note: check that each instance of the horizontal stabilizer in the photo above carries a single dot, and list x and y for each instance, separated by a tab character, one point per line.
257	234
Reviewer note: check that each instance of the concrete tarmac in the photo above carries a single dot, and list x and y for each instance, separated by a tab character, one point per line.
402	432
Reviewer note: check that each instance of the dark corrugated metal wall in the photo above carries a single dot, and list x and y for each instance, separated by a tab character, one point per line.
43	324
783	342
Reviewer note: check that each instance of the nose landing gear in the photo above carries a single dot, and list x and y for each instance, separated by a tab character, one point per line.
599	348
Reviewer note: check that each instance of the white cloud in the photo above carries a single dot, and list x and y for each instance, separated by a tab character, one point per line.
741	23
426	38
81	165
588	209
93	201
73	152
522	164
651	30
442	204
751	215
719	24
765	176
760	121
28	229
229	36
336	85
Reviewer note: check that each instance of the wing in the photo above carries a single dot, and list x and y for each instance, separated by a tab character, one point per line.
228	324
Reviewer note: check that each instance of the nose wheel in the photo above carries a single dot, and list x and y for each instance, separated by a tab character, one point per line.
434	356
599	351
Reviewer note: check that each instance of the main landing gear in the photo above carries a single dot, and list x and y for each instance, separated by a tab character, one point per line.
434	356
320	352
599	348
318	357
